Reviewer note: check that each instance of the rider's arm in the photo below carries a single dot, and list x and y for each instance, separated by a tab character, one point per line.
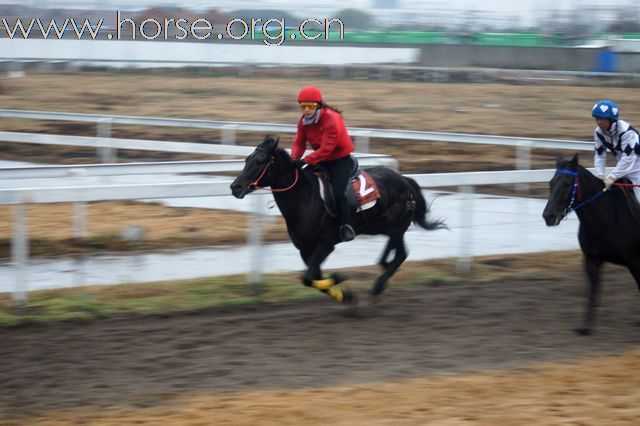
600	156
299	143
328	141
627	161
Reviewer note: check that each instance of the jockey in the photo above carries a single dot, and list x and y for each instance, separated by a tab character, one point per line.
321	126
620	138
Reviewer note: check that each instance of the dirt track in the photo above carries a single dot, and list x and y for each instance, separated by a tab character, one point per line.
114	371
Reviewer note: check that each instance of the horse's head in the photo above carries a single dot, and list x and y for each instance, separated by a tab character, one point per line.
562	190
255	168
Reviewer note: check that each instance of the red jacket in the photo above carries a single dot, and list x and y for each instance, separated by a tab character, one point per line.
328	137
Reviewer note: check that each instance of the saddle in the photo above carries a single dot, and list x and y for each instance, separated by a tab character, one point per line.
362	194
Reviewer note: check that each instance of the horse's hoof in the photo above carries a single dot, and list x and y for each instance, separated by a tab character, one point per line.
583	331
349	297
374	299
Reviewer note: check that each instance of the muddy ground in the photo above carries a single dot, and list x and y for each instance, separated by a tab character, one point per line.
242	365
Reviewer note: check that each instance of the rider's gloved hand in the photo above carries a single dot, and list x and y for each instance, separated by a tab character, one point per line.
608	181
299	163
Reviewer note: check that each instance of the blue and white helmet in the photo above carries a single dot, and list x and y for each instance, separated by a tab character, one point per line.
605	109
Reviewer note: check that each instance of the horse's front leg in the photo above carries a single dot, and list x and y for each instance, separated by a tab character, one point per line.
312	277
592	267
313	255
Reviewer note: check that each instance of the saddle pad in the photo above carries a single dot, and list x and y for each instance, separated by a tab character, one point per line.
364	187
366	190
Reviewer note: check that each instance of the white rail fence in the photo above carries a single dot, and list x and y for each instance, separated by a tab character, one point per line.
229	130
164	167
80	194
19	197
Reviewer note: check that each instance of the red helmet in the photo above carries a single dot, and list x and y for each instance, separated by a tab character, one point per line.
310	94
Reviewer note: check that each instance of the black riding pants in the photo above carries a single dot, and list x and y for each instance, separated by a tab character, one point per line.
339	171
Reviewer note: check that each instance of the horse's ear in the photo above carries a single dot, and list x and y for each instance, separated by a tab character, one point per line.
271	142
559	160
574	160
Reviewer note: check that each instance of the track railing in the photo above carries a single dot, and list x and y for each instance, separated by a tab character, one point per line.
77	193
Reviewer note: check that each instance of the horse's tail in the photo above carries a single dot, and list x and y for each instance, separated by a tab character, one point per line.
422	209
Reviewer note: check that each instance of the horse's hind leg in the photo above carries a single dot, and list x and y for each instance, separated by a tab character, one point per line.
395	243
592	267
634	268
384	264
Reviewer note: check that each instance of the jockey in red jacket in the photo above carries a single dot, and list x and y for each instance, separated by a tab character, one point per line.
321	127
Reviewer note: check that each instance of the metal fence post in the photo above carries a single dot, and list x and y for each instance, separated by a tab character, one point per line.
228	137
362	141
80	210
254	240
20	253
79	220
523	162
228	134
465	251
107	154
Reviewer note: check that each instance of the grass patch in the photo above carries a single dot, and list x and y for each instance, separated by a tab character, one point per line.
94	302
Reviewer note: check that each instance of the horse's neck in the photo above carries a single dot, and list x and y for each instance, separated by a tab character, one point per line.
293	202
588	185
592	213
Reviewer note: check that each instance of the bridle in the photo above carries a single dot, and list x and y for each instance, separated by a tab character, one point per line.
575	193
255	183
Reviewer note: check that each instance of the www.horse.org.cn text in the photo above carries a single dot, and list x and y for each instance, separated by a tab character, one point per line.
272	32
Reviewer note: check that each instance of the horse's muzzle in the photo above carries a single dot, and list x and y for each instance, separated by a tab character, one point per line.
238	190
552	219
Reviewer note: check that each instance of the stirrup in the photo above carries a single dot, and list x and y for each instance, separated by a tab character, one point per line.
347	233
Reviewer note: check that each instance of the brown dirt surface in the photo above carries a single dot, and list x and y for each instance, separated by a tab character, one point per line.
50	228
534	110
498	352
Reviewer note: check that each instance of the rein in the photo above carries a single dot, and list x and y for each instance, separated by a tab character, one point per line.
626	185
255	184
574	191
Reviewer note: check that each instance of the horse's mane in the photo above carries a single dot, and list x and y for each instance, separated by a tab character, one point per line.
270	144
283	153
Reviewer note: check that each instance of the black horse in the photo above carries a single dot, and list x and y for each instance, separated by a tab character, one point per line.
312	229
609	224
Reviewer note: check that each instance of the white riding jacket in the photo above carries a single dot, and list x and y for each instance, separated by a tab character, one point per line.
622	140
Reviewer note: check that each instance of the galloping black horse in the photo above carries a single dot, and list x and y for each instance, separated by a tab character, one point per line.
311	228
609	224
